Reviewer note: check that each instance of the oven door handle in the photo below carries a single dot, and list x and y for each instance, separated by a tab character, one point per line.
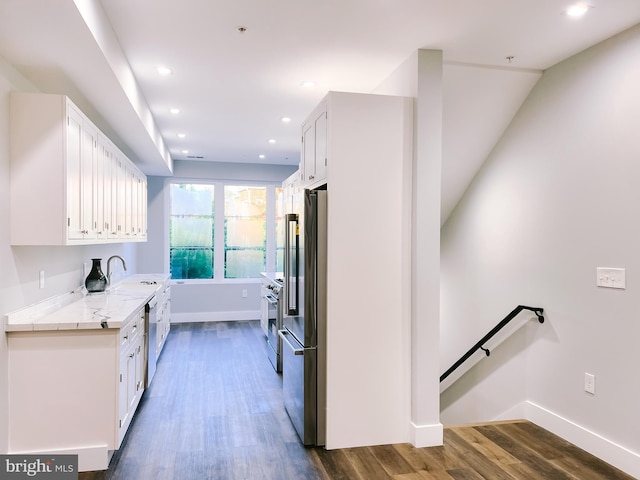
296	351
271	299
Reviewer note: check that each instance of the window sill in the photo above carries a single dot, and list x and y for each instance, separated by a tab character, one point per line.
215	281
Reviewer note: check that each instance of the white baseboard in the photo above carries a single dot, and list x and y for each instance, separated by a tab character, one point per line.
603	448
215	316
89	458
426	435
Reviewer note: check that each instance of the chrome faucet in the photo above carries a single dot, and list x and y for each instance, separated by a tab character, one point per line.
124	265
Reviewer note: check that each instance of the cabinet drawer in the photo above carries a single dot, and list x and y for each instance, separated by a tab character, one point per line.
137	327
125	335
132	329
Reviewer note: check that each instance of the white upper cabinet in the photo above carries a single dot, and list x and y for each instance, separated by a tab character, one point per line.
69	184
314	147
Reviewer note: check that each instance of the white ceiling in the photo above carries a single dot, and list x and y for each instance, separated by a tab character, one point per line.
232	88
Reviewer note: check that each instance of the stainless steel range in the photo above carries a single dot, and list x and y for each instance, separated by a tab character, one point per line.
271	318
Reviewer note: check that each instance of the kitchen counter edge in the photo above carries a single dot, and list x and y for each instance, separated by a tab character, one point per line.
79	310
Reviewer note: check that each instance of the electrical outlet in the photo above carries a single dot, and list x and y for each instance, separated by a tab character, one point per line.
41	279
590	383
244	293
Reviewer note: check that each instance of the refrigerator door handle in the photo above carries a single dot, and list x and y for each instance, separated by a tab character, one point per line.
291	281
296	351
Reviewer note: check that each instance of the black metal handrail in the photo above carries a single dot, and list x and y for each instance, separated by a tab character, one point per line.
479	346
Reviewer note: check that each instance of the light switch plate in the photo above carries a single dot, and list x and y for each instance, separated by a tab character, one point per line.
611	277
590	383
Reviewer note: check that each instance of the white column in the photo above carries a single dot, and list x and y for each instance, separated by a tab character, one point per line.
425	276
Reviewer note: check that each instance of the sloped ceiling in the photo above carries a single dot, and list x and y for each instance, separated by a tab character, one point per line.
479	103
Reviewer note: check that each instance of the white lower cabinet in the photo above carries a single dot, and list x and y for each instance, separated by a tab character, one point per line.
164	320
75	390
132	370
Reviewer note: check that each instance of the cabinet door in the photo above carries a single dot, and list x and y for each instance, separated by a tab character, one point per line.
308	151
314	147
121	197
140	369
134	204
89	179
109	194
128	205
127	386
103	188
82	158
74	175
320	155
115	192
142	208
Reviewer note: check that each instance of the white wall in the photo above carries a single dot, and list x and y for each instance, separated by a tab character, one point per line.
557	197
20	266
368	235
420	77
211	300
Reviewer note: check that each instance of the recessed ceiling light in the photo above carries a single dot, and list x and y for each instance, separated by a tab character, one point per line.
164	71
175	111
182	135
308	84
577	10
261	156
185	151
285	119
272	140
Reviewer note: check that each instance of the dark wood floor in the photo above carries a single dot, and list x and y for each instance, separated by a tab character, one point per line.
214	411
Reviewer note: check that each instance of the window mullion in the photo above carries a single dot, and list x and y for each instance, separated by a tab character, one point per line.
271	228
218	246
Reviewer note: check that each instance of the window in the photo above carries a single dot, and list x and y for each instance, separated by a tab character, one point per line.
191	231
245	231
279	229
244	241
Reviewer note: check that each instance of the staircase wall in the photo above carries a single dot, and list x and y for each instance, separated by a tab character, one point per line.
557	197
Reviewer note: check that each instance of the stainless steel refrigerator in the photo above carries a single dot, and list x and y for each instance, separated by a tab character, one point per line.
305	316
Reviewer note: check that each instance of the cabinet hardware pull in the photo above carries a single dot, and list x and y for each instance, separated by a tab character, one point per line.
131	355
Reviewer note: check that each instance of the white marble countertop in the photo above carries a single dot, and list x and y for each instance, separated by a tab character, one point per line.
78	310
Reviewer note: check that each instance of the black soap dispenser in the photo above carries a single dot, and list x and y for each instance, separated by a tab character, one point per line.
96	281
